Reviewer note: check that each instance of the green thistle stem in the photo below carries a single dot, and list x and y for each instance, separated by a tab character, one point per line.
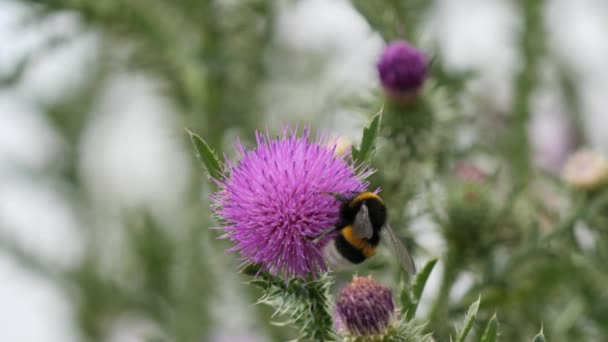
518	145
305	302
450	273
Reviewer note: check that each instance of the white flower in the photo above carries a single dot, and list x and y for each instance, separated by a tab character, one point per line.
586	170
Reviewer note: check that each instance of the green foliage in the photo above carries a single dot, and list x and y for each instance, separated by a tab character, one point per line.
206	155
491	332
410	297
370	133
304	303
469	319
403	331
540	337
393	19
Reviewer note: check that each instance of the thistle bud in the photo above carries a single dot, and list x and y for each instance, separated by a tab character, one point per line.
469	227
586	170
364	308
402	70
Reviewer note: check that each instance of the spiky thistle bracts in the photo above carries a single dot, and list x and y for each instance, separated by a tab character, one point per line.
271	200
364	308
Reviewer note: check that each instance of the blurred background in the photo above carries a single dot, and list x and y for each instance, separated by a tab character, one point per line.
103	206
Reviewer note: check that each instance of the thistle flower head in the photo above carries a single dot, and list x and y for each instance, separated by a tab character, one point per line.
402	70
586	170
272	201
365	307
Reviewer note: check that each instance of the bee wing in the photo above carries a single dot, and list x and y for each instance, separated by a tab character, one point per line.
362	226
401	252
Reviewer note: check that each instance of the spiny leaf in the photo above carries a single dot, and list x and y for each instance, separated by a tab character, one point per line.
491	332
369	137
419	283
304	304
403	331
540	337
469	319
206	155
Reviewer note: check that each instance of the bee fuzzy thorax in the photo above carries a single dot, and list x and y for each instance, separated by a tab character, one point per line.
366	196
376	210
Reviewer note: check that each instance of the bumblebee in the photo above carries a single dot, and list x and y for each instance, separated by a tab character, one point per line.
361	225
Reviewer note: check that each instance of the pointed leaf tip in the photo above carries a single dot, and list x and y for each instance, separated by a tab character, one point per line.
491	332
418	287
370	133
540	337
422	277
469	319
206	155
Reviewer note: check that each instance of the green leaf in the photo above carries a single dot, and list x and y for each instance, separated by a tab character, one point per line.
369	138
540	337
422	277
469	319
401	331
206	155
304	304
418	288
491	332
407	302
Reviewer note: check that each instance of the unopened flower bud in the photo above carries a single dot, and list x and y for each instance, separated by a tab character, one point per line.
402	70
586	170
365	307
470	228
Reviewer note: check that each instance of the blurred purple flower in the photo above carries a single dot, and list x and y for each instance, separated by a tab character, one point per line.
402	70
552	138
364	307
271	201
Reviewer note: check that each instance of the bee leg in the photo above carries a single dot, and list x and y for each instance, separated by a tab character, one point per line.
326	232
337	196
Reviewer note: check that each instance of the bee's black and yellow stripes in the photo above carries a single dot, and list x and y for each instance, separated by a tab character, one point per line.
347	244
352	248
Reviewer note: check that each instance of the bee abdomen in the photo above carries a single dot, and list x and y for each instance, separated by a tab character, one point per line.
348	251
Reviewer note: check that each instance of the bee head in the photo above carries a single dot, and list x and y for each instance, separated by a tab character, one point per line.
375	208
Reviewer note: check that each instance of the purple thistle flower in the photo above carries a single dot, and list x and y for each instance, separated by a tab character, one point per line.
402	70
272	200
364	307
